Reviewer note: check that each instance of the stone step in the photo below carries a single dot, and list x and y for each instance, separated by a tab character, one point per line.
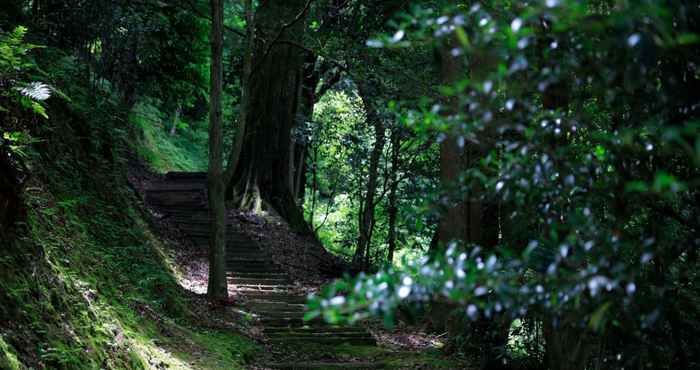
259	269
271	330
162	203
176	189
165	201
283	321
248	281
358	341
264	288
246	251
253	269
319	334
275	297
204	239
233	259
280	314
272	306
247	254
202	176
189	212
236	263
325	365
197	227
255	275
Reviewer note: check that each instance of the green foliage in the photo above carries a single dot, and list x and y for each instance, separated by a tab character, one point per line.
184	151
339	143
589	119
87	284
16	64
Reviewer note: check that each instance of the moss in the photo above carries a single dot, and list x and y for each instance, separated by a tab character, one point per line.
8	357
392	359
90	286
185	151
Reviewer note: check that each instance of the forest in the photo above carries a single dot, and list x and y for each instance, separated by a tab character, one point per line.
350	184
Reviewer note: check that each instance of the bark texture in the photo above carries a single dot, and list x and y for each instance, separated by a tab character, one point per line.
263	174
217	288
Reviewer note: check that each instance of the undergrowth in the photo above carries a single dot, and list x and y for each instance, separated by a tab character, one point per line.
86	284
186	150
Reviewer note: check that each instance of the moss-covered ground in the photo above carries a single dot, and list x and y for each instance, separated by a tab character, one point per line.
346	355
89	285
85	281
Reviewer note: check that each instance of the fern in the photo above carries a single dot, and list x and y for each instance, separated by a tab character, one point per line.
38	91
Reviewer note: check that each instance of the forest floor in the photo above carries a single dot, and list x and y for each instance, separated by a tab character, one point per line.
305	261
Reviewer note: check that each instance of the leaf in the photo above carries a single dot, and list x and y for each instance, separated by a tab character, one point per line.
636	187
462	36
39	109
598	317
688	38
38	91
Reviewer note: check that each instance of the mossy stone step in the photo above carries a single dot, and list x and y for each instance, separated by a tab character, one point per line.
236	264
253	269
255	275
274	297
262	288
271	330
325	365
279	314
271	306
249	281
365	341
319	334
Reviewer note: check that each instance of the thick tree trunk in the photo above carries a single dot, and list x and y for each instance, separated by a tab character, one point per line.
453	224
465	219
263	174
217	289
393	189
466	216
367	215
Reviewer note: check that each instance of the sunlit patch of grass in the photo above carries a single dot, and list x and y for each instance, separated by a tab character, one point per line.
8	357
90	286
184	151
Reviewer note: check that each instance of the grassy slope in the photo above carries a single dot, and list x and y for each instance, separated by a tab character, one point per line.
184	151
87	284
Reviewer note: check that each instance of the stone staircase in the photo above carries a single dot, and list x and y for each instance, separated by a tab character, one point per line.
268	291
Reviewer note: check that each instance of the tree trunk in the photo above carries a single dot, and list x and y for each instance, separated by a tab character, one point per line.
307	102
367	215
263	174
393	207
217	289
466	216
314	186
176	117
